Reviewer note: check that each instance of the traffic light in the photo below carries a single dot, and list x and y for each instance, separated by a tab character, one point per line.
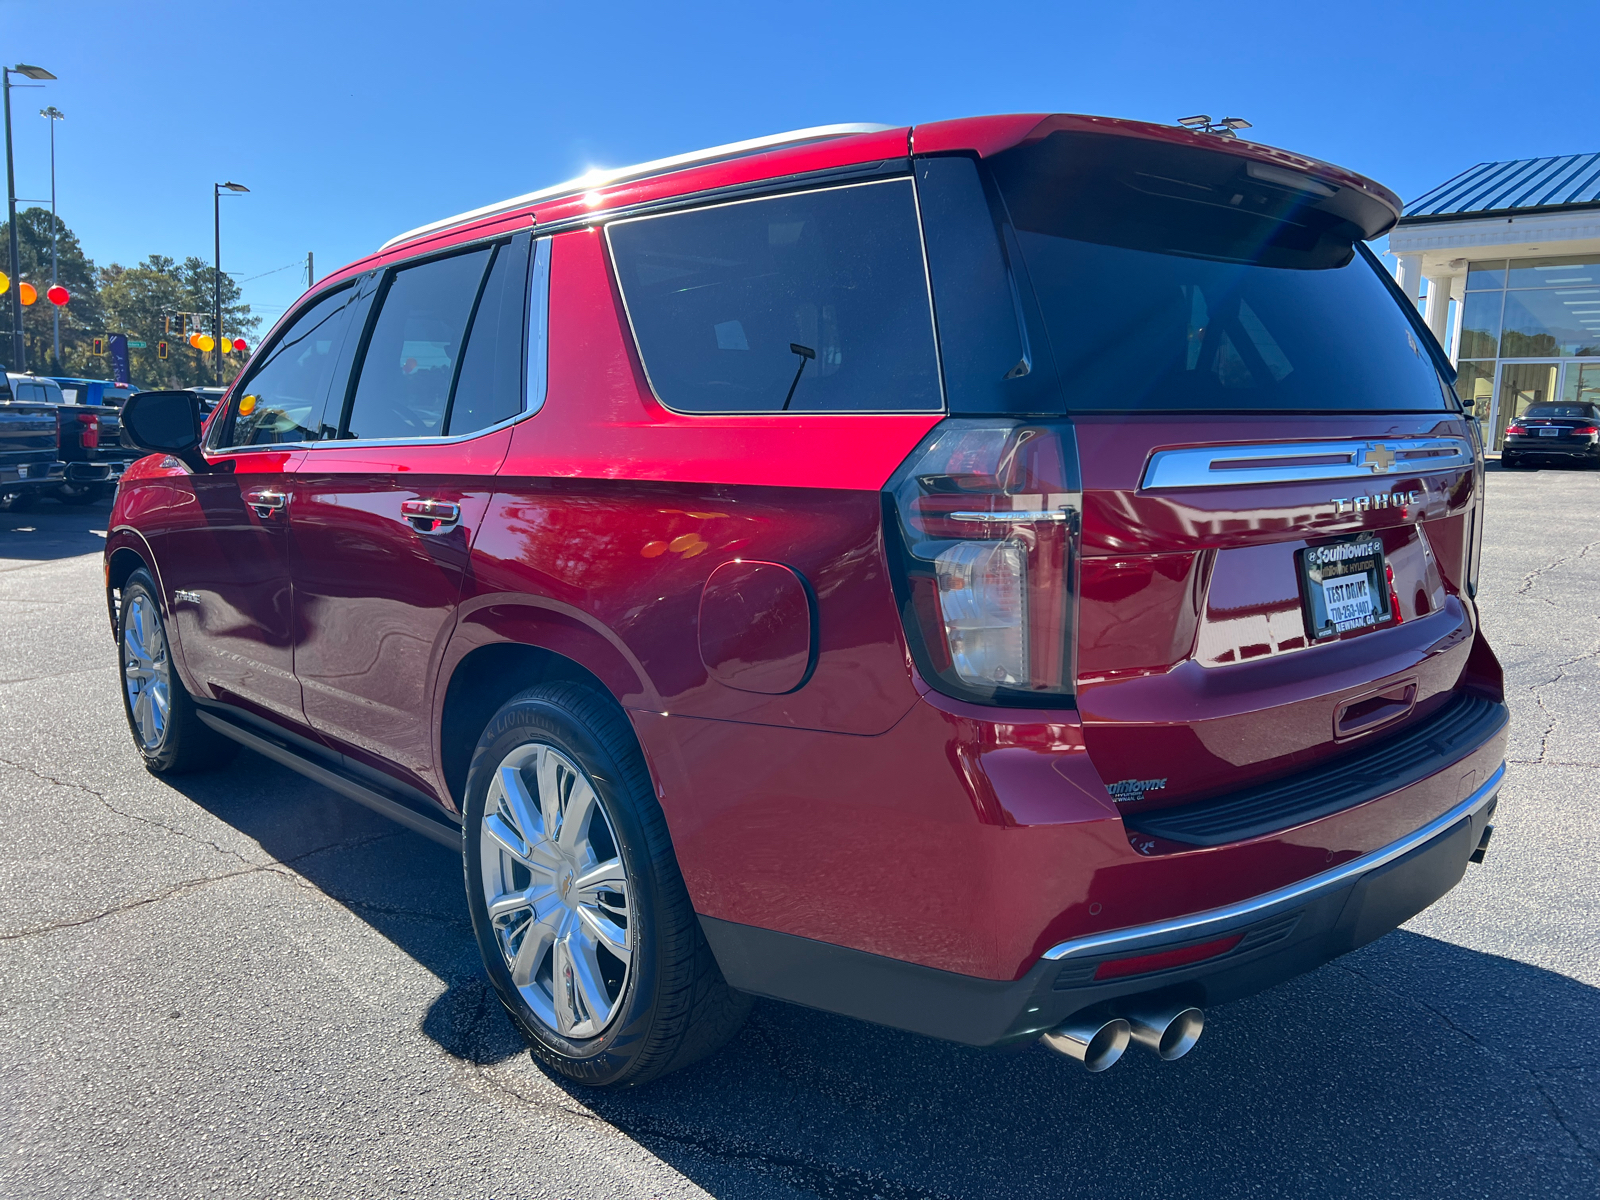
161	350
99	346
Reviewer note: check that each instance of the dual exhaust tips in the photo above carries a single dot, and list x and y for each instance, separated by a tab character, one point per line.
1098	1042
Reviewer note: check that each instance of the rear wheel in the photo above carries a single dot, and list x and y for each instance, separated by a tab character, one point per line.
580	912
161	715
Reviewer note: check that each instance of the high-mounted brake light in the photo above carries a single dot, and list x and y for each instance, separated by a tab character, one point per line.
982	536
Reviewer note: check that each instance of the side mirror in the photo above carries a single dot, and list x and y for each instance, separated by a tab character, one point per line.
165	423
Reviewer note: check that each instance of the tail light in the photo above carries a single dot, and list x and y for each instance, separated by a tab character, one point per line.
1587	430
1515	430
89	431
982	526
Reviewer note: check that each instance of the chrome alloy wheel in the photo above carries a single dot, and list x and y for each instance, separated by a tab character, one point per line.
556	890
146	670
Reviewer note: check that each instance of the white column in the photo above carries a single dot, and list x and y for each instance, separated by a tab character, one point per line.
1458	293
1408	274
1438	307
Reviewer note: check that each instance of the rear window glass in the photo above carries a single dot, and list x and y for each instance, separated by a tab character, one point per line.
1169	278
410	362
1579	412
813	302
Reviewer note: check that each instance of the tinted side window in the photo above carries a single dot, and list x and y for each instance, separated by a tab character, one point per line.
489	389
814	302
410	362
284	397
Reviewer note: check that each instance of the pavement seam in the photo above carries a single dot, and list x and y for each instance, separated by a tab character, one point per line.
1533	1074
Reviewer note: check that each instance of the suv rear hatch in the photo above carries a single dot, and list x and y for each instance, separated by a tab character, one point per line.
1271	488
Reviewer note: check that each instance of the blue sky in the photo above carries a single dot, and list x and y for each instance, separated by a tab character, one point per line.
351	122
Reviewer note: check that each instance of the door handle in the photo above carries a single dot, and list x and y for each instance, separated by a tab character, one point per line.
265	501
431	516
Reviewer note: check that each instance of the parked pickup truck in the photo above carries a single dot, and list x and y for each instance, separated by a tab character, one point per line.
51	446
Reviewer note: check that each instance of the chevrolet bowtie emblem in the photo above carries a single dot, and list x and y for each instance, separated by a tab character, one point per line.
1379	457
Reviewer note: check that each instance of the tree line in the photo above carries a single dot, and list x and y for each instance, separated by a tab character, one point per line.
141	301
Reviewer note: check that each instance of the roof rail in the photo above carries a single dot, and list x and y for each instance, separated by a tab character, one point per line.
660	166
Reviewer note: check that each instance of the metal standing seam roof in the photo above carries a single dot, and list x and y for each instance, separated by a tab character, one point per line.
1523	183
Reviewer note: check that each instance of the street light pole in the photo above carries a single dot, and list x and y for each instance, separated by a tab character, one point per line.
18	351
53	114
216	230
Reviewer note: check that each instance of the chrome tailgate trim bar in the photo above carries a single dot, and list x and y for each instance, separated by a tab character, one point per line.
1304	462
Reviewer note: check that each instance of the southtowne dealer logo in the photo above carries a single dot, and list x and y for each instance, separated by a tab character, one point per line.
1128	790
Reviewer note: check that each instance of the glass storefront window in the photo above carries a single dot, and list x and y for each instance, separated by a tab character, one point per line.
1480	324
1549	324
1522	384
1582	385
1552	272
1490	274
1475	386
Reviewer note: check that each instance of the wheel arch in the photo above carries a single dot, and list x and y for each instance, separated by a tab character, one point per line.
482	680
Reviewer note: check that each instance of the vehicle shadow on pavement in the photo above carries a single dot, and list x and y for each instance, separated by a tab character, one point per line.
45	530
406	887
1350	1081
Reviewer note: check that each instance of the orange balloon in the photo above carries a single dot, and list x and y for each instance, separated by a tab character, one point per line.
194	340
247	406
27	293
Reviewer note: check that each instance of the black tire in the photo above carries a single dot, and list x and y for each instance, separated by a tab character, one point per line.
184	743
81	493
671	1005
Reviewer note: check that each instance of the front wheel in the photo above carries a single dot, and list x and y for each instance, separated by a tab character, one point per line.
580	912
165	725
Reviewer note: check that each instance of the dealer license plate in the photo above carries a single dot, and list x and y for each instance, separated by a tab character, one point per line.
1344	586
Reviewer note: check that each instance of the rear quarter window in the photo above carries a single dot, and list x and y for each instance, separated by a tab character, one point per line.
810	302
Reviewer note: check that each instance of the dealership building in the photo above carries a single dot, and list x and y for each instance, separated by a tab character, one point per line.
1516	247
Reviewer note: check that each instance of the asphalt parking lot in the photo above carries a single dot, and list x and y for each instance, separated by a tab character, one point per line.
244	985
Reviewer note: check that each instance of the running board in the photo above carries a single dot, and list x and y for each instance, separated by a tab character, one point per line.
345	786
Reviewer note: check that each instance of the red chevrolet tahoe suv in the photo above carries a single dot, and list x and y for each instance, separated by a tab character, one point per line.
1007	578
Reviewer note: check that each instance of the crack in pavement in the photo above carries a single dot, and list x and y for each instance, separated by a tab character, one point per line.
112	808
1536	690
1534	1075
1533	576
282	868
802	1172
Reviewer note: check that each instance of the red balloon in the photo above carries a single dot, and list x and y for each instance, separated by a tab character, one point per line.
58	295
239	345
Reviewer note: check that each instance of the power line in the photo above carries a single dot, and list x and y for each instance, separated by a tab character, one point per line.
274	271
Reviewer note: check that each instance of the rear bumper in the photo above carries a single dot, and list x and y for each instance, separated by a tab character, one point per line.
1549	448
1269	938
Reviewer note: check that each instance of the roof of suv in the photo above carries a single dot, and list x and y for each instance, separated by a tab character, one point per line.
1369	205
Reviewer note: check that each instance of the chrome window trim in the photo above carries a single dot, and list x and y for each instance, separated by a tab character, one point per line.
1228	466
539	310
1219	921
537	346
927	287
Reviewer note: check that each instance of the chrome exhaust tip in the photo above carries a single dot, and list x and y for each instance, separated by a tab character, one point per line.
1170	1031
1097	1042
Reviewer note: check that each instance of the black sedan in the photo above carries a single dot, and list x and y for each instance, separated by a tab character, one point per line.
1566	432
